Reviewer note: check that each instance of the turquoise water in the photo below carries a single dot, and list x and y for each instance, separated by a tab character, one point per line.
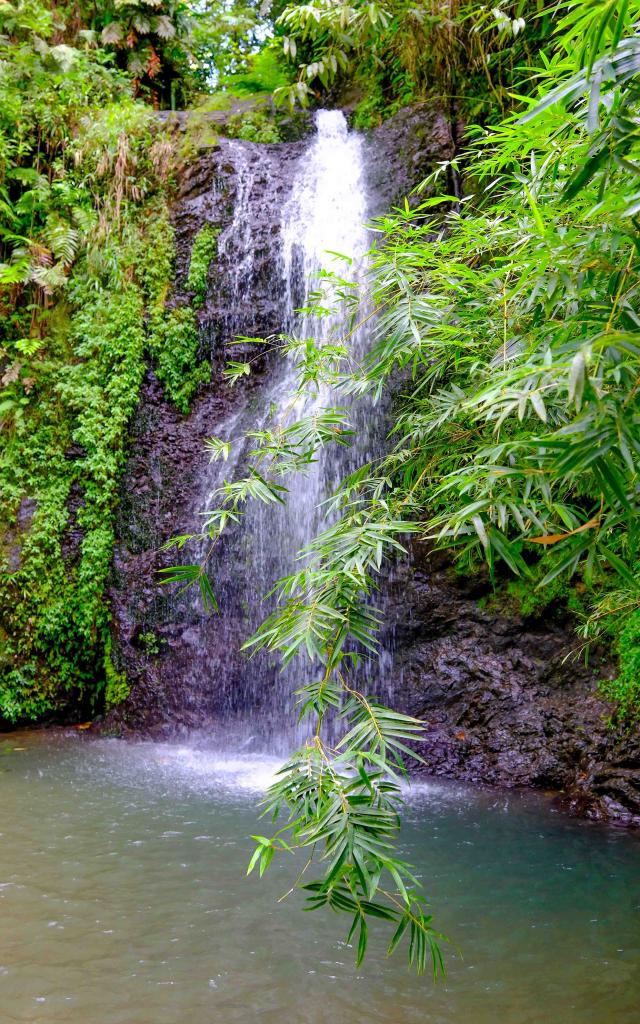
123	900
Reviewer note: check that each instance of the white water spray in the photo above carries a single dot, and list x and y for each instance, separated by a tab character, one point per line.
325	215
323	244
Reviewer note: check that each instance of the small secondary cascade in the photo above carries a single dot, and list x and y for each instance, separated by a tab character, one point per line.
322	233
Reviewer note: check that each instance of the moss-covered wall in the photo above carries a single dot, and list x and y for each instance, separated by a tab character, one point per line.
64	455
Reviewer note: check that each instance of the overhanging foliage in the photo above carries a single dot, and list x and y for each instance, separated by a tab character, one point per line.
508	331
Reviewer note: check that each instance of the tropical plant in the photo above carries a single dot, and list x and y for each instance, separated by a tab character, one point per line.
84	188
85	265
516	315
507	329
151	39
464	54
228	39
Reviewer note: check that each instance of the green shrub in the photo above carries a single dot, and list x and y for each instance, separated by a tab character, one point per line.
174	345
255	126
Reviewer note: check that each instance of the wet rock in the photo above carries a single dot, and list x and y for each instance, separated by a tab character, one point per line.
176	685
406	149
14	535
73	533
502	701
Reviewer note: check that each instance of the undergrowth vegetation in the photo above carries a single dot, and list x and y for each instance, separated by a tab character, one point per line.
86	253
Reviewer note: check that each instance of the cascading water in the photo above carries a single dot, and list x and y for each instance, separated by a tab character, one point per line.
324	219
324	242
322	233
236	242
324	238
322	225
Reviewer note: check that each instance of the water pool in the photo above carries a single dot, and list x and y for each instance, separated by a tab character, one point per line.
123	900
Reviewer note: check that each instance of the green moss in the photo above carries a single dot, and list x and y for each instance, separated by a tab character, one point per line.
52	604
150	642
624	691
174	345
236	113
204	251
523	597
66	445
199	133
116	688
173	338
254	126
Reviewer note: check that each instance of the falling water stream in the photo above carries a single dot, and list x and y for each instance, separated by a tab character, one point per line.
123	896
323	234
323	244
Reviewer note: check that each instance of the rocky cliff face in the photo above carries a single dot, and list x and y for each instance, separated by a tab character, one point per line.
174	657
183	667
504	701
502	705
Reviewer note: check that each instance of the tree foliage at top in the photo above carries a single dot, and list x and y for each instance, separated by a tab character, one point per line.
464	54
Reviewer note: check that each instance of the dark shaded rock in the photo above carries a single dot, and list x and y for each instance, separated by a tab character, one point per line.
502	703
73	533
406	149
13	535
244	297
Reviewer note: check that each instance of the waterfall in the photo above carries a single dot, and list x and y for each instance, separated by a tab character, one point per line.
322	232
326	214
324	241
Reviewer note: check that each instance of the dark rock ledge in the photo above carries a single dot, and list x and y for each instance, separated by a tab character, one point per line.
503	703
